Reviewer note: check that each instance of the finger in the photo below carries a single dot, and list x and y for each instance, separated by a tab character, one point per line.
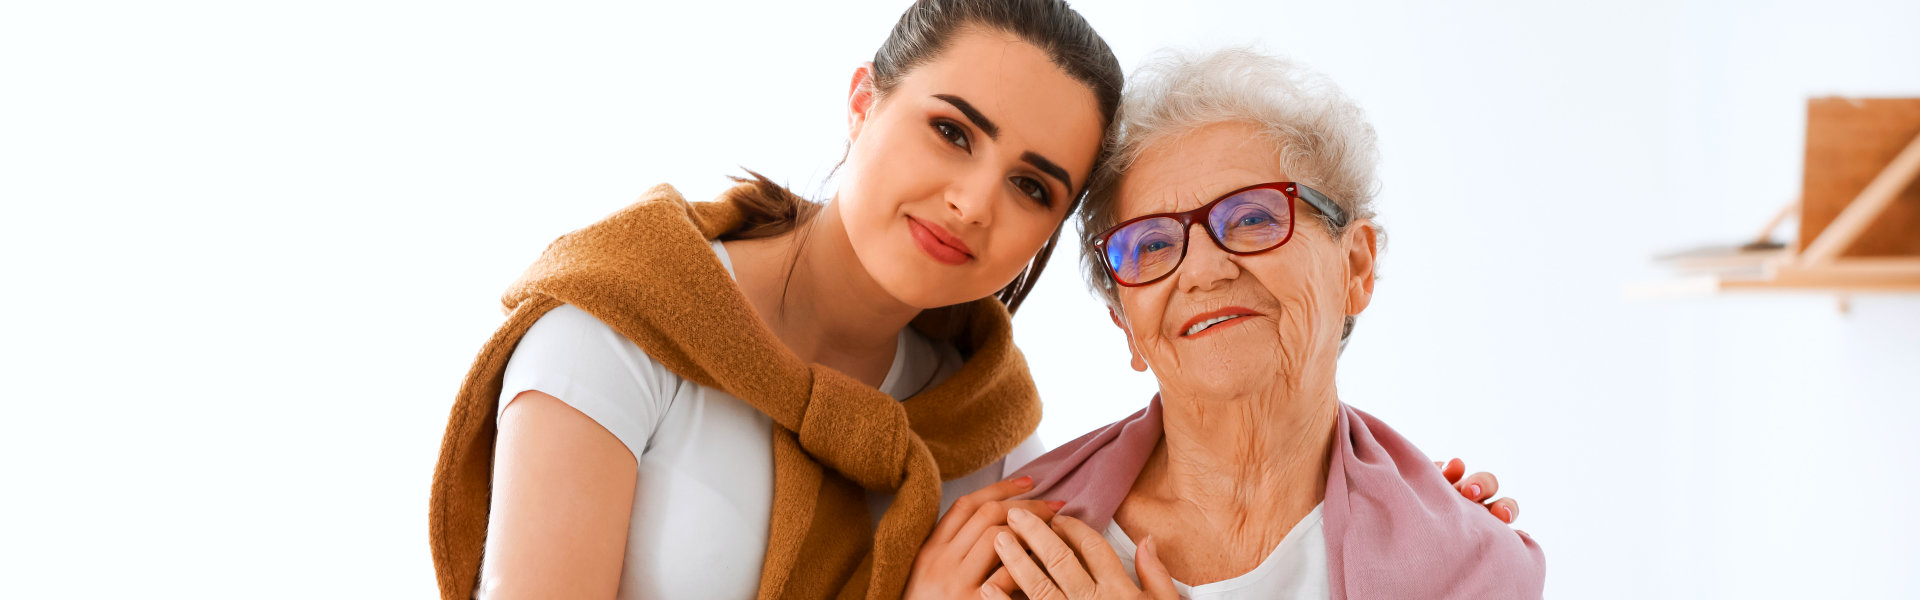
994	513
962	510
1505	509
1002	579
1025	572
1094	550
1452	469
1478	487
981	558
1154	578
1054	553
988	591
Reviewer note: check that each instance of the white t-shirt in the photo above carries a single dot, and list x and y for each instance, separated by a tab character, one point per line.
703	501
1297	568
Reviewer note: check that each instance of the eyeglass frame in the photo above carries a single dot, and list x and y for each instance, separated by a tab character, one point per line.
1292	190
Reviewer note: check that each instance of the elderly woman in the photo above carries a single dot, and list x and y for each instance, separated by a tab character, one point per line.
1232	237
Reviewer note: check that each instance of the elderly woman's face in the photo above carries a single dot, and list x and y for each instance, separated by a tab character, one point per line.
1284	308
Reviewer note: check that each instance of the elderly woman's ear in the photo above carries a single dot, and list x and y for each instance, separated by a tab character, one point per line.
1139	364
1362	245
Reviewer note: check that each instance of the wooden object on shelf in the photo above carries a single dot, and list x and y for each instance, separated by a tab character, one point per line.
1858	197
1859	212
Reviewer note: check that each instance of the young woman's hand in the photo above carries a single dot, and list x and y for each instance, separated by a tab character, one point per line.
1075	563
1478	487
958	555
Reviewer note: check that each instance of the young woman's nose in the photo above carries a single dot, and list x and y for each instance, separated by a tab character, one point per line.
971	198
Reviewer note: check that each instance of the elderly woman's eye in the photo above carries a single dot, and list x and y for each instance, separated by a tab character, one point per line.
1252	220
953	134
1155	246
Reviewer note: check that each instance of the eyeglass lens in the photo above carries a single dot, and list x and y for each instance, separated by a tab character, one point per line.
1250	221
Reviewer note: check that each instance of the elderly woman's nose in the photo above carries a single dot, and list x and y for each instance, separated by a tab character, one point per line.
1206	264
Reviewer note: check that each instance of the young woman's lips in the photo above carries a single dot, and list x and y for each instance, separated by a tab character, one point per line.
938	243
1234	315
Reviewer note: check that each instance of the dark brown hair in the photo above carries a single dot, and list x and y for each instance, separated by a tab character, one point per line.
922	33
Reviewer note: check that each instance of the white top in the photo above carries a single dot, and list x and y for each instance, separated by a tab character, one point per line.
1297	568
703	501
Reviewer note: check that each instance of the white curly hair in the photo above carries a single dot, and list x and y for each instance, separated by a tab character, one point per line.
1321	137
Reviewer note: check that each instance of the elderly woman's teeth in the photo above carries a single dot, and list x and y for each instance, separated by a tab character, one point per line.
1203	325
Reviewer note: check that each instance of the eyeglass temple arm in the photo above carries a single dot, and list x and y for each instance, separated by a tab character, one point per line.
1322	203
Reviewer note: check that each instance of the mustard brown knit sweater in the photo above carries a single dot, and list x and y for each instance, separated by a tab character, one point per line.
648	272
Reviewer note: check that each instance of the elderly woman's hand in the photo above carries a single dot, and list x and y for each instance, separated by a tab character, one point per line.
958	554
1478	487
1079	563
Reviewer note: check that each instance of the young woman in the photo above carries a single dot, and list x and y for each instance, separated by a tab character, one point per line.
707	400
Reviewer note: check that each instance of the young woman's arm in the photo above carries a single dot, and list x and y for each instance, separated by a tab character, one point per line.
562	495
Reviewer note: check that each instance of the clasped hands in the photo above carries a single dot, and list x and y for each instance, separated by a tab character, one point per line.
990	546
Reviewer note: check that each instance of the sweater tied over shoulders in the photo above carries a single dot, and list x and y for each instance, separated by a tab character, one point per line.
648	271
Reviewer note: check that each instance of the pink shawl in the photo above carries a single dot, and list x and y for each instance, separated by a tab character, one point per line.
1394	527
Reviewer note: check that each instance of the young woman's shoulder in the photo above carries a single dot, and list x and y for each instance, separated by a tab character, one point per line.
575	357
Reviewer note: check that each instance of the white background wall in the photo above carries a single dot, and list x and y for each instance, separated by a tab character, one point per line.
248	250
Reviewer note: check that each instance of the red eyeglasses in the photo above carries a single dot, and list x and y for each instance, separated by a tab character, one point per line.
1249	220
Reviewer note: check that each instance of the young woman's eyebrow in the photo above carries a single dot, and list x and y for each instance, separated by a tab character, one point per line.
1048	167
979	120
993	132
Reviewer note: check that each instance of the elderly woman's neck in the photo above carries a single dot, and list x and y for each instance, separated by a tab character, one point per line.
1254	459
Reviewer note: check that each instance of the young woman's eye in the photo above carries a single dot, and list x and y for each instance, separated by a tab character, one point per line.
1033	189
953	134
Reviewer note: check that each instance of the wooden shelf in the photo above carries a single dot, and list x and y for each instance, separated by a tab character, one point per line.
1859	214
1849	276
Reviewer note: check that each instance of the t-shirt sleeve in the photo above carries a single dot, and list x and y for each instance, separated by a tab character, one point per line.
570	355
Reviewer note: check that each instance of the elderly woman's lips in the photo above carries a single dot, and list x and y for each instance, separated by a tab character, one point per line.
1202	323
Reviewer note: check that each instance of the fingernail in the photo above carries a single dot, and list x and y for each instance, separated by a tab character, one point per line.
1473	491
1004	539
1509	510
1023	482
1055	505
1019	514
983	590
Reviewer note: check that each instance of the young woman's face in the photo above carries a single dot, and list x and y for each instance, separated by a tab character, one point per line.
957	177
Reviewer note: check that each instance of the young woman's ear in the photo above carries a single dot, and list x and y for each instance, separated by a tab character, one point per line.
1139	363
861	99
1362	246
